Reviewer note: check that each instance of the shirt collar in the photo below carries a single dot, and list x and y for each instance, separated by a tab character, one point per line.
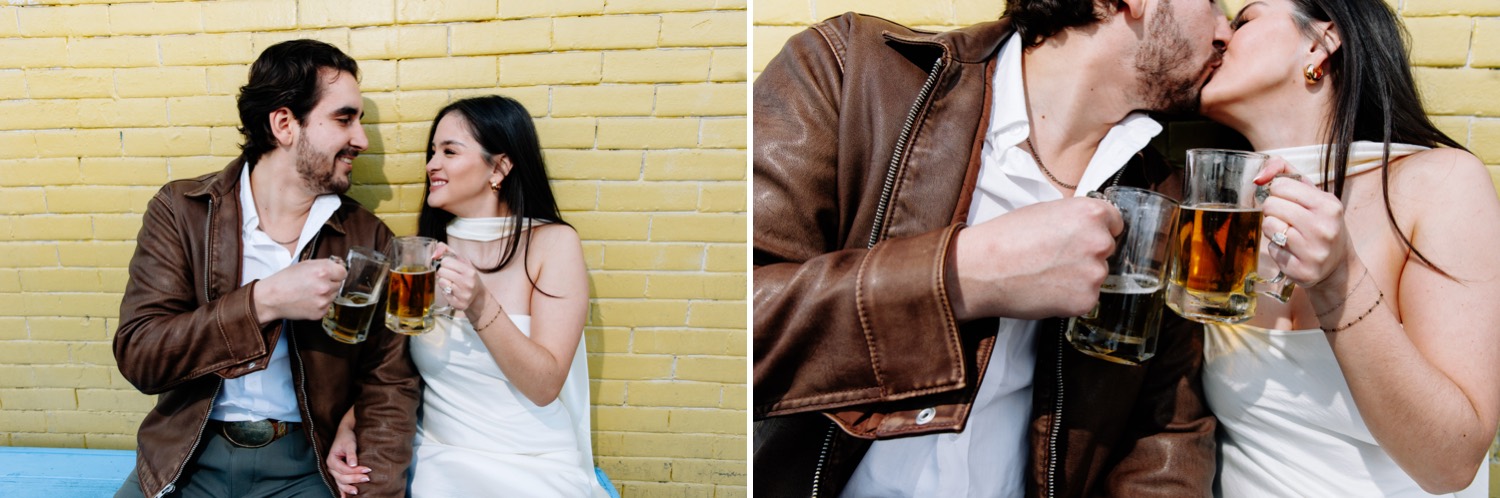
1010	125
322	209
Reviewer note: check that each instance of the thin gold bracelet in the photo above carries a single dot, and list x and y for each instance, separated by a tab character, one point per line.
1367	312
499	310
1349	295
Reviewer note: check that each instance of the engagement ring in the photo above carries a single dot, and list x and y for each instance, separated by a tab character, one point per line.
447	290
1279	238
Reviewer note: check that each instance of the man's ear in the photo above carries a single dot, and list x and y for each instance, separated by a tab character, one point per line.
1136	9
284	126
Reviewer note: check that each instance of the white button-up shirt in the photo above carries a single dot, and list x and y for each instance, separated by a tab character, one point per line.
989	457
267	393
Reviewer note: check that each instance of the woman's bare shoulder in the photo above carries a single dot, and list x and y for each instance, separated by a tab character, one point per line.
553	235
1443	175
554	242
1437	166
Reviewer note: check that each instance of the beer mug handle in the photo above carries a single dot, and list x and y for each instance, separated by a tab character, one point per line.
444	311
336	259
1095	194
1279	288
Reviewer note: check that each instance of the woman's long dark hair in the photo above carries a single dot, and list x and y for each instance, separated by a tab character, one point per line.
502	126
1374	95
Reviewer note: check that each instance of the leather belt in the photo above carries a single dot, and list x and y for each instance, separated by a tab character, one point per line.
253	434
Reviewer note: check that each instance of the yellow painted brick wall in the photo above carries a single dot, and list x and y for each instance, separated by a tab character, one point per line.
640	105
1455	51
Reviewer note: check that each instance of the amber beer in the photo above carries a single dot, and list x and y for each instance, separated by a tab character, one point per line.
1217	255
349	317
1122	329
408	310
1214	278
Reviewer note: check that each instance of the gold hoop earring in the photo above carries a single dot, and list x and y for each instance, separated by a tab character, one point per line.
495	186
1313	73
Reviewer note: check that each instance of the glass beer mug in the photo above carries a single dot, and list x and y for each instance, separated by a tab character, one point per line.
1122	328
348	320
409	306
1213	277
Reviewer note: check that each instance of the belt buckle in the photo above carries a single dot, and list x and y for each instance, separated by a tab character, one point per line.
254	434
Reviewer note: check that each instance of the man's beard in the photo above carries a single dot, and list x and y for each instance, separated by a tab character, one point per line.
1168	80
318	170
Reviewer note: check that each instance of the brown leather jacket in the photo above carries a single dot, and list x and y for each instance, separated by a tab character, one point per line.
867	145
186	324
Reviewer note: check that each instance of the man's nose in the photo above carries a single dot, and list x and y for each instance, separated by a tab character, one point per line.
1222	33
360	141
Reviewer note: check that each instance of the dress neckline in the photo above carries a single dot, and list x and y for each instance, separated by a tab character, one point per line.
488	229
1363	156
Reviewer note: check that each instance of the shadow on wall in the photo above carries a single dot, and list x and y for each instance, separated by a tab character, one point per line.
371	183
594	346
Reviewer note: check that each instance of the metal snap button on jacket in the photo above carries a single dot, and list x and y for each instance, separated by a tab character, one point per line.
926	415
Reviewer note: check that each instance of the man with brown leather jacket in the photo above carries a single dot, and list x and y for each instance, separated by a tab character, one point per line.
230	277
921	233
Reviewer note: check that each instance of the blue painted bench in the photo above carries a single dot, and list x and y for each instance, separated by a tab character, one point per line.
62	472
75	472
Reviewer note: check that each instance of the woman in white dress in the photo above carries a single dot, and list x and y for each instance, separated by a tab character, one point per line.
1381	377
505	400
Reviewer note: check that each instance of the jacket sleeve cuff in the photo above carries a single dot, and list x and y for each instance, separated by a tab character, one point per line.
902	295
244	336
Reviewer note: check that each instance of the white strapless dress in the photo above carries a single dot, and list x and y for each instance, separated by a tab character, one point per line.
479	436
1288	425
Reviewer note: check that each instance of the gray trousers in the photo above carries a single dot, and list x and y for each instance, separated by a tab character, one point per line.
286	467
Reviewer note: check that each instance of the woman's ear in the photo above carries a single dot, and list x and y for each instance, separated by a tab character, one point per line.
1327	42
501	169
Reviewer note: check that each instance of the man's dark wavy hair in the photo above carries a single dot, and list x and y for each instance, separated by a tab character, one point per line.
1036	20
285	75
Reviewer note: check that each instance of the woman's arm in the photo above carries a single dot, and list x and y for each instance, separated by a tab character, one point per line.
1419	350
539	364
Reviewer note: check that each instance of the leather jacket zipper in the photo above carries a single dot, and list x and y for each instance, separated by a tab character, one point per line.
208	236
822	458
890	174
879	226
172	485
307	419
1057	409
208	257
1116	180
